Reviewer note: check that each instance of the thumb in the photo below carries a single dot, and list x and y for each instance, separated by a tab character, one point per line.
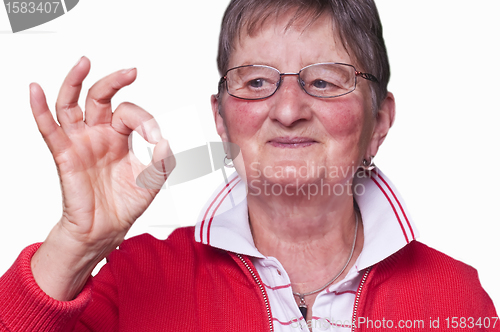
158	170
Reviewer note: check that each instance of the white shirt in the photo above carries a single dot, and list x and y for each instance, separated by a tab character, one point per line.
223	223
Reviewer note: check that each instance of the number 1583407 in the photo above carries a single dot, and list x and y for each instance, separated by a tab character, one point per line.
471	322
16	7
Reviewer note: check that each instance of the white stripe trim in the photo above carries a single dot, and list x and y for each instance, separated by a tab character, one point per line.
398	203
213	208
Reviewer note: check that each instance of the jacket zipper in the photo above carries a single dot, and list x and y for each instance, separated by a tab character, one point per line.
261	287
356	302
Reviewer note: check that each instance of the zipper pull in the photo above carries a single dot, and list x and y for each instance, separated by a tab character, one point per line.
303	307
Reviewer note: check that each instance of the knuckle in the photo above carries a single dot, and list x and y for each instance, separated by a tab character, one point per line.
124	106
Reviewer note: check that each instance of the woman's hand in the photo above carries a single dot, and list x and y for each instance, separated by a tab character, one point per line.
97	170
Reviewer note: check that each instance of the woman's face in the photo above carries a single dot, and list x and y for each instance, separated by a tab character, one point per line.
292	138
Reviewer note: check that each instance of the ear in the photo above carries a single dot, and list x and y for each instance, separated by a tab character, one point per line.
383	122
219	120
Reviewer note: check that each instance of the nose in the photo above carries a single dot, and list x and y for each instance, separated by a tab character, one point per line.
290	104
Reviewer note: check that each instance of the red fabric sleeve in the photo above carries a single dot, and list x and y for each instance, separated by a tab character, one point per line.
25	307
102	312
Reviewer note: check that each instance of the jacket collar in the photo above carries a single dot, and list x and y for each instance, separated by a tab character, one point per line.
223	221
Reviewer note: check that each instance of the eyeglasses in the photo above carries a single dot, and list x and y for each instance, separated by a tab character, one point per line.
322	80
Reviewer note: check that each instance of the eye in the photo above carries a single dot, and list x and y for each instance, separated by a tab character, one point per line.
320	84
256	83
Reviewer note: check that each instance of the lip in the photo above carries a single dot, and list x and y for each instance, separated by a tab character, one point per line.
292	142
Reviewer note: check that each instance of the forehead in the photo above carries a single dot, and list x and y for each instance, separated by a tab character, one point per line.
289	44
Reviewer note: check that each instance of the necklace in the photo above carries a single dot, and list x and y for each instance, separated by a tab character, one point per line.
302	304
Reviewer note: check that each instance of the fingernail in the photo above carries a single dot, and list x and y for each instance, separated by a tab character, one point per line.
126	71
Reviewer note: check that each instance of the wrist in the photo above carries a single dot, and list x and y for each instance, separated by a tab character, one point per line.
62	264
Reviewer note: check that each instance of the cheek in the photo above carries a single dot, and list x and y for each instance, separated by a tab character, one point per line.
343	119
243	119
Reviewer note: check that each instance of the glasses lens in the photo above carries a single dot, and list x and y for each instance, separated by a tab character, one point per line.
252	82
328	79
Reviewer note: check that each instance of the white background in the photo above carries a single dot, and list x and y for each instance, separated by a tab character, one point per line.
442	152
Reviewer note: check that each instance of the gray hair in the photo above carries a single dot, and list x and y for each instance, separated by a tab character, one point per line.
357	21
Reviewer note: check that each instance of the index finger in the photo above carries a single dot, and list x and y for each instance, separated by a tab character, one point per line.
67	110
98	103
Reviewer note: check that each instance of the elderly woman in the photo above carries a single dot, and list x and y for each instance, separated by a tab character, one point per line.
306	235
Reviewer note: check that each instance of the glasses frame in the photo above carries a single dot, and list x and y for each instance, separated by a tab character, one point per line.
366	76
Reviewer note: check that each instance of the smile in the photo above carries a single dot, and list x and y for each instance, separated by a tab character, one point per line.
292	142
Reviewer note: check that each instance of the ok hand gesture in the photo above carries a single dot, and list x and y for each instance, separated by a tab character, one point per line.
101	195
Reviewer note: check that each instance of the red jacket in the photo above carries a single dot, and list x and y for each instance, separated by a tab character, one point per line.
181	285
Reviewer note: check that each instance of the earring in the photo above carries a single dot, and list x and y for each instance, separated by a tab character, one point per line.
368	165
227	162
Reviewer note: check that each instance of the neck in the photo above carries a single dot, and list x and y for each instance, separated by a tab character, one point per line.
312	238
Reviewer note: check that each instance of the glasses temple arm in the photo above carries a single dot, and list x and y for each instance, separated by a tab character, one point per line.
367	76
